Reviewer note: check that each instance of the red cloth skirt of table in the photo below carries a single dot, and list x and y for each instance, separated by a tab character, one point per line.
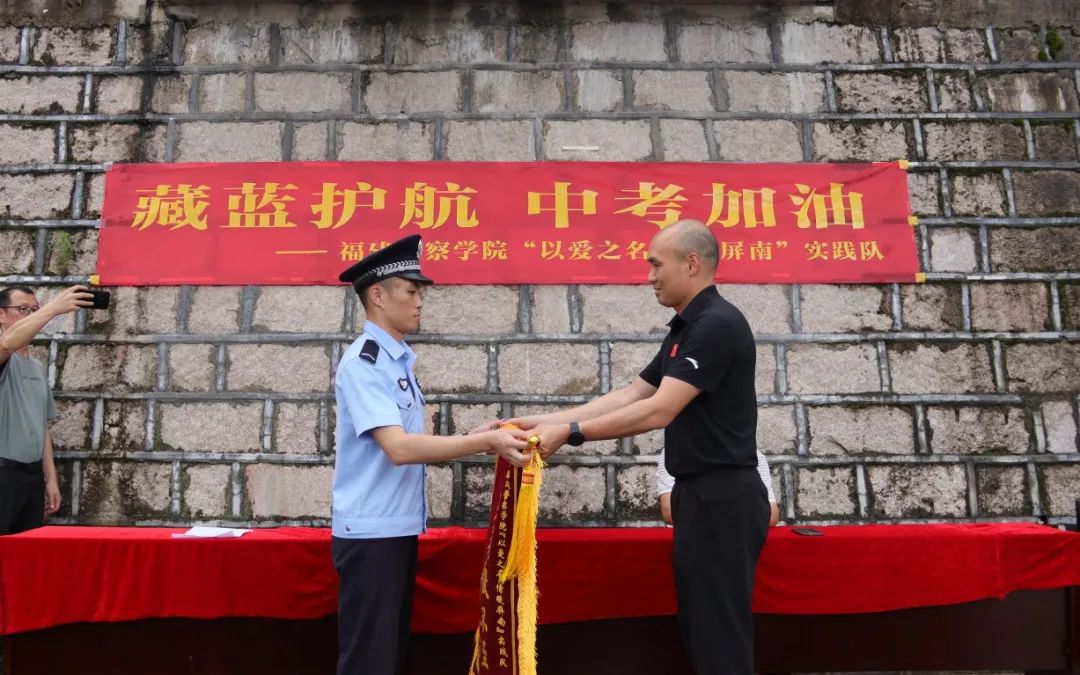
58	575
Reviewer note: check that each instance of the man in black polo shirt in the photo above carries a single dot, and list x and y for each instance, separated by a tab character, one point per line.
700	389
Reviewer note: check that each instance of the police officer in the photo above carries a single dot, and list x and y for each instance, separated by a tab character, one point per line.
700	389
379	502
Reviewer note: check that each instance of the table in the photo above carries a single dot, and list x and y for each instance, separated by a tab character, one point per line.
819	601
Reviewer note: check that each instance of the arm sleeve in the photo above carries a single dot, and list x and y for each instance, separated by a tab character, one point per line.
665	482
766	477
651	373
704	355
367	398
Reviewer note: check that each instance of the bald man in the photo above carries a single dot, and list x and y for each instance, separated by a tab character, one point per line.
700	389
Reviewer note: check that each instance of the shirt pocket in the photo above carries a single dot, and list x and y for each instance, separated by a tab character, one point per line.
403	397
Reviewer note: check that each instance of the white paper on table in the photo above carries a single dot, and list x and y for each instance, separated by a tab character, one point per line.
203	532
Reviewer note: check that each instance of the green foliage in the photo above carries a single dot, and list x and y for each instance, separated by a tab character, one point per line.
62	250
1054	43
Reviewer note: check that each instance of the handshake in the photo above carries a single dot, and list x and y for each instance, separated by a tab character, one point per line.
516	439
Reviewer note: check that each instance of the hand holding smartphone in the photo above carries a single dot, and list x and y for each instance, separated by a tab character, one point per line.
101	298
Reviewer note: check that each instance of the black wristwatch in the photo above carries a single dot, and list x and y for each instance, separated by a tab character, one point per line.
576	437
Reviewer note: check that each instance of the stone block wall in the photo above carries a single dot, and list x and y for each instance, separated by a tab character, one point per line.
955	399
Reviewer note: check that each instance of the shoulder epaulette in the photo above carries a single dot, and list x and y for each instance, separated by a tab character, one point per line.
370	351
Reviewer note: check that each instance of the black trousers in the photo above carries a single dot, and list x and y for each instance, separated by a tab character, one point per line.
721	519
22	499
375	596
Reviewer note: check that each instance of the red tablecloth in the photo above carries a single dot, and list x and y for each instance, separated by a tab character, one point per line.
59	575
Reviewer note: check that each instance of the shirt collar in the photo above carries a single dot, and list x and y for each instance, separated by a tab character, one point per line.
702	301
393	347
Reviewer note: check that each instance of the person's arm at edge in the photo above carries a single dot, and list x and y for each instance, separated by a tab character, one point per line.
766	479
665	507
52	485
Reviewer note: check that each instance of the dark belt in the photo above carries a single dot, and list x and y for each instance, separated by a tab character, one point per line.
28	467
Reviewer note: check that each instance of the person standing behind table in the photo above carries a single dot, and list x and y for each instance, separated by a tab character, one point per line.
665	482
700	389
379	502
29	489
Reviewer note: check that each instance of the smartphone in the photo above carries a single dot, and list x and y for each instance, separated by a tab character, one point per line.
807	531
101	299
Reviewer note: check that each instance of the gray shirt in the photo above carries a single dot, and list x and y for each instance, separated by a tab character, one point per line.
26	407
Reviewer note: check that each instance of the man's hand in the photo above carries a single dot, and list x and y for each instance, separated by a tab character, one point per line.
526	423
508	444
69	300
665	507
52	496
486	426
552	437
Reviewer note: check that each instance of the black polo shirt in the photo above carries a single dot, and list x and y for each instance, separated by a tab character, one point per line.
710	346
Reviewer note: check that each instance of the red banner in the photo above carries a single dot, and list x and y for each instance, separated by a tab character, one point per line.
501	222
496	642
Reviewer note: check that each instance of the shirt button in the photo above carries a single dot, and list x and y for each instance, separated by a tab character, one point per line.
347	529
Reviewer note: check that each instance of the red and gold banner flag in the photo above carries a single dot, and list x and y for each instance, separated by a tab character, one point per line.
505	641
501	222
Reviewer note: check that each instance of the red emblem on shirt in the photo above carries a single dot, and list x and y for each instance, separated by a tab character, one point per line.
674	349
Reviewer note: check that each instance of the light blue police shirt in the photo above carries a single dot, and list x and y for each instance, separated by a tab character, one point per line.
373	497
